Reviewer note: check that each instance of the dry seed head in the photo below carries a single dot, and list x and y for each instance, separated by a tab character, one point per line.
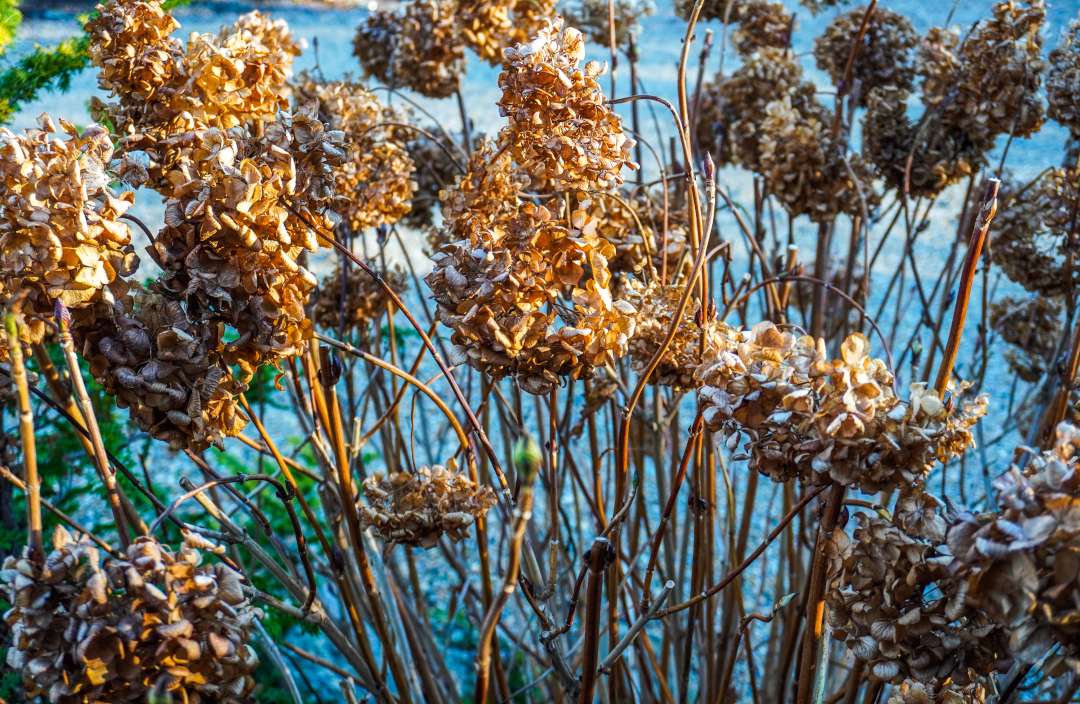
418	509
520	303
485	26
87	629
1030	233
363	300
762	24
656	306
896	606
988	84
710	9
485	196
941	155
828	421
529	19
1063	80
911	692
1031	328
429	54
1021	563
374	45
557	117
816	6
886	55
61	238
591	16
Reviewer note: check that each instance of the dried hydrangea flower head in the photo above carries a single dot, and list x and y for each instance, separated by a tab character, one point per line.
358	295
805	167
375	182
625	222
429	55
591	17
816	6
485	26
1031	327
529	19
485	196
233	78
897	607
61	238
886	56
1031	232
940	154
145	352
243	212
87	629
1021	562
710	9
557	116
418	509
828	421
762	24
520	304
910	692
656	306
1063	80
374	46
988	84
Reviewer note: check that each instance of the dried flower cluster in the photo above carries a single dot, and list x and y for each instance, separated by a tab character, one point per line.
886	55
435	170
896	605
762	24
375	182
558	122
827	421
635	238
429	56
374	45
418	509
656	306
1031	233
358	295
1021	563
61	238
87	630
1063	80
591	17
485	196
502	292
910	692
710	9
1031	328
988	84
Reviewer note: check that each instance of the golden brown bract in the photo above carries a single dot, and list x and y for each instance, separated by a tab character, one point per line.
828	421
418	509
503	289
92	630
61	238
557	117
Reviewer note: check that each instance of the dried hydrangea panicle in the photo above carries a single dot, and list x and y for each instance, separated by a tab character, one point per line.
591	17
61	238
988	84
429	55
910	692
485	196
828	421
896	606
762	24
1021	562
242	213
374	45
557	116
804	166
886	56
1063	80
1031	328
146	353
816	6
418	509
529	18
1031	232
485	26
504	291
375	182
359	296
656	306
88	629
710	9
940	154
